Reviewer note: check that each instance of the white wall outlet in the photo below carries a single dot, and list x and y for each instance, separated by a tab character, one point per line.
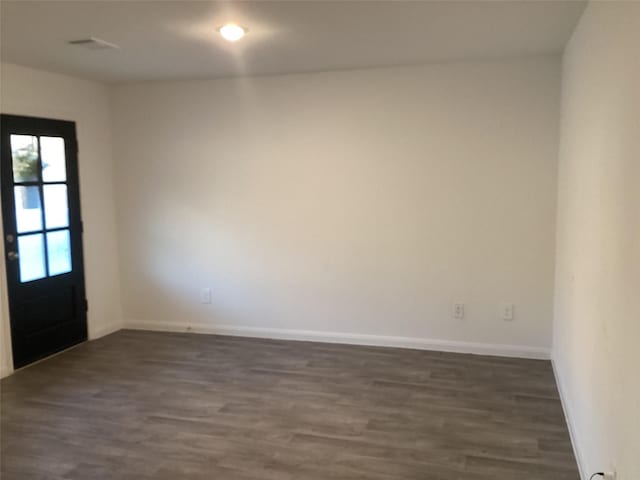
507	311
458	310
205	295
610	475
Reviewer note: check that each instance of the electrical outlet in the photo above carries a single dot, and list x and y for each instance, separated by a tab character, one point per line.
205	295
610	475
458	310
507	311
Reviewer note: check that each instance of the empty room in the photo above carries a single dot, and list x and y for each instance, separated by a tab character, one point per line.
316	240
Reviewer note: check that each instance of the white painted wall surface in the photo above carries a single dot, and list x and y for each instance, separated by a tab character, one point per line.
24	91
354	206
596	341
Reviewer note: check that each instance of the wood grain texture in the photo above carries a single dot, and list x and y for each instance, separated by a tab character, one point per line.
149	405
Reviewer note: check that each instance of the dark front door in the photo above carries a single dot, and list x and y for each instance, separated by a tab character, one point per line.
42	236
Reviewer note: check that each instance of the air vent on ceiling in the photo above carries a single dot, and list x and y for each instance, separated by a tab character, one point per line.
93	43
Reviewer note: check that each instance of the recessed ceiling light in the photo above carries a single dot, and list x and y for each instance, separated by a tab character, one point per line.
232	32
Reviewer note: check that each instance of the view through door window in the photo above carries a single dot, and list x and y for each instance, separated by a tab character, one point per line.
41	205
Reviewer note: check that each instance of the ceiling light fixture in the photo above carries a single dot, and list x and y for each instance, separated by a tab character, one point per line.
232	32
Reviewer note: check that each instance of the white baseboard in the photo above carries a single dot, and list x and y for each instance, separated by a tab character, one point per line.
105	330
572	429
519	351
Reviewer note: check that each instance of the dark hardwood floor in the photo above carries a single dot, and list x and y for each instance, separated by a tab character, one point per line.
146	405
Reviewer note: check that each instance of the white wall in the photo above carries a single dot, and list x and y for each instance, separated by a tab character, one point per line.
353	206
597	303
25	91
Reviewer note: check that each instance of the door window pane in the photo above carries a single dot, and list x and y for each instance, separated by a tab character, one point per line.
56	208
31	257
28	209
59	251
53	160
24	152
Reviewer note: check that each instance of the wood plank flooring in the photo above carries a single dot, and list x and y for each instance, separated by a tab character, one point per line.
147	405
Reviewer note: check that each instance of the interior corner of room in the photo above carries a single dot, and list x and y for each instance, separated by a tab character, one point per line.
428	208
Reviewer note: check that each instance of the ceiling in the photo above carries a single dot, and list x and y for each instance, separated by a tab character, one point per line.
177	39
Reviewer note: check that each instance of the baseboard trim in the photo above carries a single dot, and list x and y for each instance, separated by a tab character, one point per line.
570	425
500	350
5	371
106	330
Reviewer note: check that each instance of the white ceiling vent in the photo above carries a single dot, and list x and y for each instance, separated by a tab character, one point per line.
93	43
